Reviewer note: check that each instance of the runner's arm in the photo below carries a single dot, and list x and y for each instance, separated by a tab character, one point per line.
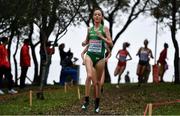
86	41
109	53
83	52
130	58
117	55
138	52
151	55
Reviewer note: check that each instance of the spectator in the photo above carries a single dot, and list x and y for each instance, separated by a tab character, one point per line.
25	62
63	54
5	69
127	79
163	66
67	65
69	70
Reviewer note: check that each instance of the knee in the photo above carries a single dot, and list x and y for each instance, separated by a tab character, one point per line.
89	76
88	79
139	74
96	83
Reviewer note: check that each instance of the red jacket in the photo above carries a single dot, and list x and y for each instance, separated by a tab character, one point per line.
4	62
25	59
163	56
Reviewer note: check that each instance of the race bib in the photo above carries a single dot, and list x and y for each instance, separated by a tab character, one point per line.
144	56
95	46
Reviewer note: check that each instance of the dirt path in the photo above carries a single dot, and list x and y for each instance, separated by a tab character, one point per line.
114	102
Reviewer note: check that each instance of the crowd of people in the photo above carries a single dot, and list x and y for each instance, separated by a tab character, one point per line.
97	43
25	62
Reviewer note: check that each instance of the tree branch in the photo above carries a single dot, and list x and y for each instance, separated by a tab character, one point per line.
65	28
130	19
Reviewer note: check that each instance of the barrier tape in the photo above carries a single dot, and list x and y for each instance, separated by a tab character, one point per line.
167	102
146	109
159	104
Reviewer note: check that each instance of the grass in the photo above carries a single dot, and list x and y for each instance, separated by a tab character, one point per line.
126	100
55	97
137	98
171	109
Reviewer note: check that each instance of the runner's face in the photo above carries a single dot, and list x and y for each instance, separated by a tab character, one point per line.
97	16
145	44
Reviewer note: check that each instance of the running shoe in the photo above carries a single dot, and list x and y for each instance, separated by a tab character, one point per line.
1	92
96	110
12	91
84	106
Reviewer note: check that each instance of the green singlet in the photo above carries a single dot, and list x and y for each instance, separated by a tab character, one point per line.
96	48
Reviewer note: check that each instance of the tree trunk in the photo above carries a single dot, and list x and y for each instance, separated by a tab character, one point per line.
43	55
44	61
9	44
33	52
179	67
176	60
15	62
107	75
173	35
36	79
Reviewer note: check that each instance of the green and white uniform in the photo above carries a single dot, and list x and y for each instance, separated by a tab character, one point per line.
96	50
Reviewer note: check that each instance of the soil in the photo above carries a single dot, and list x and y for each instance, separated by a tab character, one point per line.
114	102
